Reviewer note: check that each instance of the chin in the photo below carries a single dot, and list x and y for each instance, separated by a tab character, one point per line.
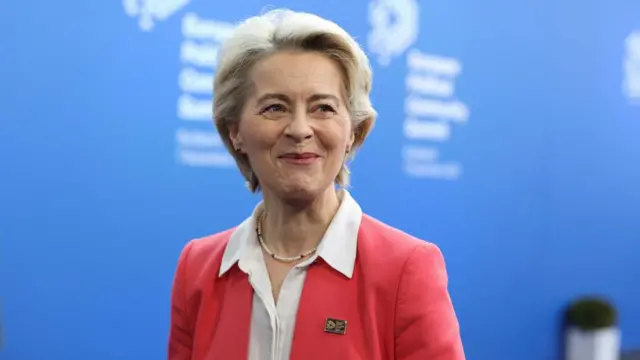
300	191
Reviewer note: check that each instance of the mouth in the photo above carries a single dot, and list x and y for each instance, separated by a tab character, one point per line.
300	158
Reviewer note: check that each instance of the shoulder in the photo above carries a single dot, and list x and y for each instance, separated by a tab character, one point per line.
209	245
396	258
392	243
203	255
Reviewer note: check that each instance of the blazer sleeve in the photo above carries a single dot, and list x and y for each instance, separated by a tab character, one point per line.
181	329
426	325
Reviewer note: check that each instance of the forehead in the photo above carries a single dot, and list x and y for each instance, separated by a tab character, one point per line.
297	73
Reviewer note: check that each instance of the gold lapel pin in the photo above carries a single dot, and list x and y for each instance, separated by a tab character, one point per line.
335	326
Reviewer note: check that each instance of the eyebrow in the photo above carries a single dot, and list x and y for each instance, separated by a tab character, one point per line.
285	98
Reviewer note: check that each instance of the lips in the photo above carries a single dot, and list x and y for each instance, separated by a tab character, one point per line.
299	156
300	159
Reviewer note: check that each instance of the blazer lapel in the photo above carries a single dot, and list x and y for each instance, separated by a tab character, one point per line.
326	294
231	335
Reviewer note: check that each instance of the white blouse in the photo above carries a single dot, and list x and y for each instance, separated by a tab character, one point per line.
272	325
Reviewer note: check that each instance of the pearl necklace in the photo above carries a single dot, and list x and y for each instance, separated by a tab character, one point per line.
274	256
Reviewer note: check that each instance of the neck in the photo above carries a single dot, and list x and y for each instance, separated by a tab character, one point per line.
290	229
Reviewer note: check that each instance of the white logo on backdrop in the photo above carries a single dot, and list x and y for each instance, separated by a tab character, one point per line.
432	110
149	11
431	107
198	144
197	141
631	67
394	28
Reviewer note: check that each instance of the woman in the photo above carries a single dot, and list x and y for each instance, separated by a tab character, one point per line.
307	275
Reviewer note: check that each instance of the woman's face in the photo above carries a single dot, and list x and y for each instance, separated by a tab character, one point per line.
295	126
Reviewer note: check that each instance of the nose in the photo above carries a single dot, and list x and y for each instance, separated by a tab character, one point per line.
299	129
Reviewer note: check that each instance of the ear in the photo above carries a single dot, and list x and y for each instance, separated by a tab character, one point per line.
361	132
234	136
352	139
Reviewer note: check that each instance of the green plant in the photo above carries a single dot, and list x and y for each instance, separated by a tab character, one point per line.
591	313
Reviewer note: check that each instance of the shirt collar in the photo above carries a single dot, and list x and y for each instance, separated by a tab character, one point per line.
338	245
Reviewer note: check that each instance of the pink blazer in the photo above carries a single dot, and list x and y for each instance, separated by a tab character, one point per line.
396	305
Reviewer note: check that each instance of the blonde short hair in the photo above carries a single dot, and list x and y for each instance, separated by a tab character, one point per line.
260	36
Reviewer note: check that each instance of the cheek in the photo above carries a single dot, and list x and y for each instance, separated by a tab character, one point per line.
256	136
337	138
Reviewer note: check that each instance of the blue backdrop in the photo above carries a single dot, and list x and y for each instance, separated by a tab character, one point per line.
508	135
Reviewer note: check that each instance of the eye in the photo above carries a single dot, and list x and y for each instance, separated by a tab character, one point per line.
324	108
274	108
